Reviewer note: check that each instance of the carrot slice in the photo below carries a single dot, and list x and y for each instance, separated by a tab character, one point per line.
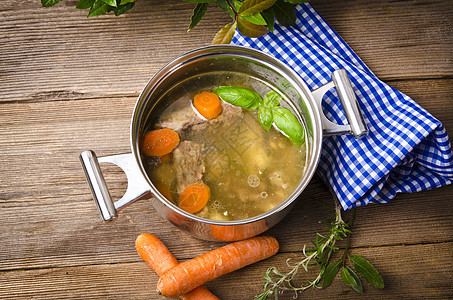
160	142
160	259
194	197
192	273
207	104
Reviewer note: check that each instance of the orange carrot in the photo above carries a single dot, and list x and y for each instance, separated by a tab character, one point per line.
194	197
160	259
230	233
195	272
160	142
207	104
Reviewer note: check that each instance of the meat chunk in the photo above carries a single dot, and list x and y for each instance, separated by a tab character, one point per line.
179	116
230	114
188	163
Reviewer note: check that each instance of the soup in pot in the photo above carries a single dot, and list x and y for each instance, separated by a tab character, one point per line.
225	153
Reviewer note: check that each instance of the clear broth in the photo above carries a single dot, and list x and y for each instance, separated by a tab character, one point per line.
249	170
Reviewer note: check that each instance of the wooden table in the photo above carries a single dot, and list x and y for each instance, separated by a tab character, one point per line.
69	84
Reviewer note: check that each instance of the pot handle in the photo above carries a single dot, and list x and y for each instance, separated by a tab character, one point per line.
137	187
357	126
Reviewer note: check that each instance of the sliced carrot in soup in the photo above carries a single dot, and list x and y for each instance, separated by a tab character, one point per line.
160	142
207	104
194	197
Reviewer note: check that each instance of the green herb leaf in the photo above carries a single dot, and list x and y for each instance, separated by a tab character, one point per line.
350	278
121	9
123	2
331	272
286	122
198	14
110	2
222	4
199	1
49	3
367	270
238	96
249	29
284	12
272	99
84	4
237	4
225	35
256	19
269	17
252	7
99	8
265	117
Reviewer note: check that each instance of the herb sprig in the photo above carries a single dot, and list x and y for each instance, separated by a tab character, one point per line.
277	282
253	18
269	111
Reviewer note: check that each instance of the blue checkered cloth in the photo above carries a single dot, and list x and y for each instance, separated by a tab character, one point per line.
406	149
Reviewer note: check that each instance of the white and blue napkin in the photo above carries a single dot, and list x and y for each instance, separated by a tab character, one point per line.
406	149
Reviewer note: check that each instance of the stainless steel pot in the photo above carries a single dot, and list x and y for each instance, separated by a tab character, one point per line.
222	58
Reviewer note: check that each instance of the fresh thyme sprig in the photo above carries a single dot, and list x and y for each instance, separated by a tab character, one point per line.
277	282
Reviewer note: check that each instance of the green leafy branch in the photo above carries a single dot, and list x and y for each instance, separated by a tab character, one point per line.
277	282
252	18
98	7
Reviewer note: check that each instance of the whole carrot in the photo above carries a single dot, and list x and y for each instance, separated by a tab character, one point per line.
160	259
192	273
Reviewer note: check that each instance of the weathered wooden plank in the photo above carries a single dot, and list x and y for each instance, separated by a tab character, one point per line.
396	39
410	272
49	53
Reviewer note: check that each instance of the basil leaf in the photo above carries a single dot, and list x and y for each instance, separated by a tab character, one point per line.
265	117
49	3
272	99
367	270
123	8
269	17
84	4
251	7
242	97
255	19
123	2
350	278
330	273
110	2
284	12
249	29
286	122
225	35
99	8
198	14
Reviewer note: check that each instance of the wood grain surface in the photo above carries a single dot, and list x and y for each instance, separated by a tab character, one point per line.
69	83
